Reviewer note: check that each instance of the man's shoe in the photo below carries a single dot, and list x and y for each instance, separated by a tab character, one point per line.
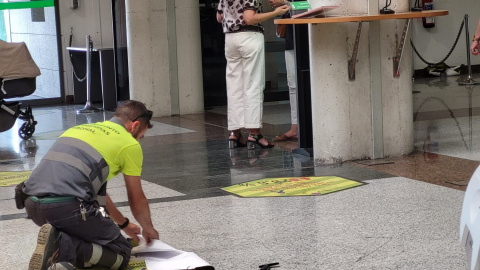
20	196
47	248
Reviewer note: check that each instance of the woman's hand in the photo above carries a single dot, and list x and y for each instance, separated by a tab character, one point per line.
475	48
252	18
279	11
275	3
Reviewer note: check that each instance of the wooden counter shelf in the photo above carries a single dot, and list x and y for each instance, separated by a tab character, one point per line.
364	18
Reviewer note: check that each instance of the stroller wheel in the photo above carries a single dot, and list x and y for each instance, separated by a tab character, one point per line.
26	131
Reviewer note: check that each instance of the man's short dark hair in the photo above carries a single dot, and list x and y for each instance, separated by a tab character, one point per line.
132	110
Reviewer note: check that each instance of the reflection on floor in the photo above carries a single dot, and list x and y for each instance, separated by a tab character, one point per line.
405	218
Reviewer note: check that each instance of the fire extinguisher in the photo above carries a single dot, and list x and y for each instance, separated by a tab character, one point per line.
428	22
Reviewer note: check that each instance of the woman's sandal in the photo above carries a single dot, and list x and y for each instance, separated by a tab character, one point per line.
234	143
254	144
283	137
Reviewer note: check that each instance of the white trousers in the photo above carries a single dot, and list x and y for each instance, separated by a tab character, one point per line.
292	83
245	78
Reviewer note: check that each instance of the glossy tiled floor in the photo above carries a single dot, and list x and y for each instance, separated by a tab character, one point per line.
406	217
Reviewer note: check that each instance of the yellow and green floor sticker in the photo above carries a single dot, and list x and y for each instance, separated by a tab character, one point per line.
292	186
137	265
132	265
13	178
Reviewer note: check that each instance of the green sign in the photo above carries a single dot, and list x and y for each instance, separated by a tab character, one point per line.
300	5
29	4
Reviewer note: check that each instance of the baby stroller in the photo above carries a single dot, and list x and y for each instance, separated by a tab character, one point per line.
18	74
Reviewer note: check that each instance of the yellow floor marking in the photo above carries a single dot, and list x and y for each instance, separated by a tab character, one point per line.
292	186
13	178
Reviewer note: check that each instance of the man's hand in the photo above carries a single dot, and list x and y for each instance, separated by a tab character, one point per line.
139	206
475	48
149	234
132	230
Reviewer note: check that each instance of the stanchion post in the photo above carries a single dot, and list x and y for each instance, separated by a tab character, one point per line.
469	80
470	115
89	108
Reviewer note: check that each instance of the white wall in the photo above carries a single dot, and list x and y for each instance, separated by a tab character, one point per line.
434	43
94	18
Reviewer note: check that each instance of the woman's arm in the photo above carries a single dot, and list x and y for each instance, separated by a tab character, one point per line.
277	3
475	47
252	18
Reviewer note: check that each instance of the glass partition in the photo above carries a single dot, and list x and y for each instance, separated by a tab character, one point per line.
35	23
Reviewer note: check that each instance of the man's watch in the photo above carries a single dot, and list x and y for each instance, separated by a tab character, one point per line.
125	224
474	39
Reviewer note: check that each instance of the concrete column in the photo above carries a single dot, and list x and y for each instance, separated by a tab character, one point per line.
397	92
343	110
165	67
189	57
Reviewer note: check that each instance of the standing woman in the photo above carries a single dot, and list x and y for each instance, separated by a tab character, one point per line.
290	135
245	76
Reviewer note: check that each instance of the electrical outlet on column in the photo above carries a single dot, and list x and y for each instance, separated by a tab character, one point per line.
74	4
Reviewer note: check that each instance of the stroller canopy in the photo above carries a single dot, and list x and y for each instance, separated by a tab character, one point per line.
16	61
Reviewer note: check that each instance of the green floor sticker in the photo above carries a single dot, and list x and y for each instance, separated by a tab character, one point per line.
13	178
292	186
132	265
137	265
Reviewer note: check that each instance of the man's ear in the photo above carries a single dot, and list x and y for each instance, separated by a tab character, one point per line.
130	126
135	125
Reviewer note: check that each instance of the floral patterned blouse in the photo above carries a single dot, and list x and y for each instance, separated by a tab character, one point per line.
232	13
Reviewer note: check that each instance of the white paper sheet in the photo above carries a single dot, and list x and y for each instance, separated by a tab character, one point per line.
160	256
185	260
153	246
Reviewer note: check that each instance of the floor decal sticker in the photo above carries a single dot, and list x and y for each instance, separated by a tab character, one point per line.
292	186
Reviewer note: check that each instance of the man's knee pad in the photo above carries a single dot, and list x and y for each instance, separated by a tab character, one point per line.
103	256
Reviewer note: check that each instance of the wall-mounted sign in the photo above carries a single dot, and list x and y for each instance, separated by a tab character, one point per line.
29	4
300	5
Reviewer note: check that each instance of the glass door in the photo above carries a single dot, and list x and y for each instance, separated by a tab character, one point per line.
36	24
